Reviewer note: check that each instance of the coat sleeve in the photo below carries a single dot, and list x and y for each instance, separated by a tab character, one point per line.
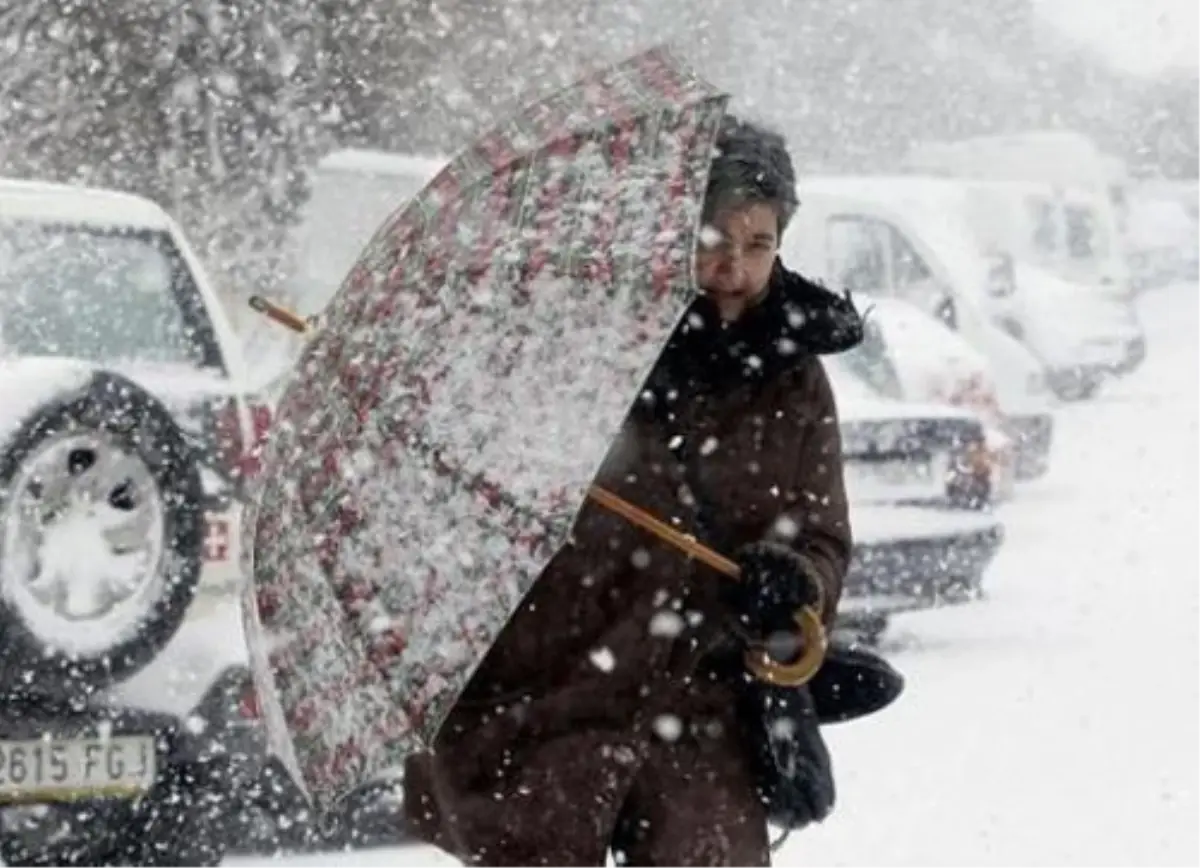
817	524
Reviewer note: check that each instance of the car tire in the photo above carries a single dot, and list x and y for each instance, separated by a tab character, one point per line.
1072	386
141	465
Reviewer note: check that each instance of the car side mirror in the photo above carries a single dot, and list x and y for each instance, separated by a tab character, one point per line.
947	312
1001	275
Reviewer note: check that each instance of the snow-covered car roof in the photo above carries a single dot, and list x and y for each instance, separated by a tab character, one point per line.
368	161
48	202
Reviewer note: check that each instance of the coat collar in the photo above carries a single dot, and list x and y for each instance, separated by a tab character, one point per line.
797	320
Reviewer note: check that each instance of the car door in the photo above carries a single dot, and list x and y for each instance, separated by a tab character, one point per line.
870	254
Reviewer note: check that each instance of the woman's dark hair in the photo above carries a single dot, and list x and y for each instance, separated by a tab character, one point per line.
752	165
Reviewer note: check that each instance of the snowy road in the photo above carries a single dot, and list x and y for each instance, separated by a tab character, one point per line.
1056	722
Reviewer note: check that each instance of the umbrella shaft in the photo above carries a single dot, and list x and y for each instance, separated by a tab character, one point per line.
687	544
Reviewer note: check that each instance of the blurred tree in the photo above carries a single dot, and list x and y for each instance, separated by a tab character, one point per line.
217	108
1165	130
198	105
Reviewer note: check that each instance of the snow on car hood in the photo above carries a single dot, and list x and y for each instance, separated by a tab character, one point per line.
858	402
209	642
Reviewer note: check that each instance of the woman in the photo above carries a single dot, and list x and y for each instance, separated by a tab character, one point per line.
606	715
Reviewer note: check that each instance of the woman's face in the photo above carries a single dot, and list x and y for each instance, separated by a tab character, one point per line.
734	258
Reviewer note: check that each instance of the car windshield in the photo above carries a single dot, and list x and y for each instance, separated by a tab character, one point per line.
870	365
106	296
848	381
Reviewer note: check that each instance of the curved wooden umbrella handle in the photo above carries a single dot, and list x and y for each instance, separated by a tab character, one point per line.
800	671
758	661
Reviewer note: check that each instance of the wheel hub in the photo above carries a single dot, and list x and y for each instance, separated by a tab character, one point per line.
83	542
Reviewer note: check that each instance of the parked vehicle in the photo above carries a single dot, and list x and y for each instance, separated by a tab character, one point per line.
1163	242
905	238
353	192
919	490
911	356
1082	222
1102	335
1025	397
122	435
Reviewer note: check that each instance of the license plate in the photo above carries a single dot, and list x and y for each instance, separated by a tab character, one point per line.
70	769
917	478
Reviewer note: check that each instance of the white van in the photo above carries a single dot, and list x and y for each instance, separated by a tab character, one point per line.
906	237
1061	230
1080	230
353	192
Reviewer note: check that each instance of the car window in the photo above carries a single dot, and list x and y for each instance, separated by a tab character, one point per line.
1044	218
908	267
1083	232
847	381
106	296
857	253
871	362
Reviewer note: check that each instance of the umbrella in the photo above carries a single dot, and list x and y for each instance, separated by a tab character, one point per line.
442	426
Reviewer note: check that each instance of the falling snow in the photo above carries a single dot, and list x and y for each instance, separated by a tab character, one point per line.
268	141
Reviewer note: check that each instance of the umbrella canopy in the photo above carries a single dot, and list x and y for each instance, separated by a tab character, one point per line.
439	433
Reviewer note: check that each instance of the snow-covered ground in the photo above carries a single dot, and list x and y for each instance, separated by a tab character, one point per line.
1057	721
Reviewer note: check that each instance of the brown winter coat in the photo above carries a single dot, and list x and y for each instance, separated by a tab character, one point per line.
595	720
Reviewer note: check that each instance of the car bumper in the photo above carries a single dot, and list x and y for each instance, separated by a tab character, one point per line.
1096	360
213	754
917	558
1135	354
91	819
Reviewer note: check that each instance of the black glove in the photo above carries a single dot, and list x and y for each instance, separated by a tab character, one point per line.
775	582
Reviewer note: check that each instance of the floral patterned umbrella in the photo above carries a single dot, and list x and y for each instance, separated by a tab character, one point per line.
440	431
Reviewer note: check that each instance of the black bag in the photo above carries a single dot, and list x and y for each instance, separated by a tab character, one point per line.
791	762
792	768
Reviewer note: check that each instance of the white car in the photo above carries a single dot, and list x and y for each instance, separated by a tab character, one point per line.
1081	338
912	356
919	497
109	279
123	432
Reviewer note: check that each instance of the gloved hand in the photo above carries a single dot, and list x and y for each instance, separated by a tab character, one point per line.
775	582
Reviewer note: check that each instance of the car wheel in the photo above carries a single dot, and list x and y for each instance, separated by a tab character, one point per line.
1073	386
101	534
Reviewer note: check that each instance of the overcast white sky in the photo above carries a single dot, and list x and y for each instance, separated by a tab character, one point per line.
1141	36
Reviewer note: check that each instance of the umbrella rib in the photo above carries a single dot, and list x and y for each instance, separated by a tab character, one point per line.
474	482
